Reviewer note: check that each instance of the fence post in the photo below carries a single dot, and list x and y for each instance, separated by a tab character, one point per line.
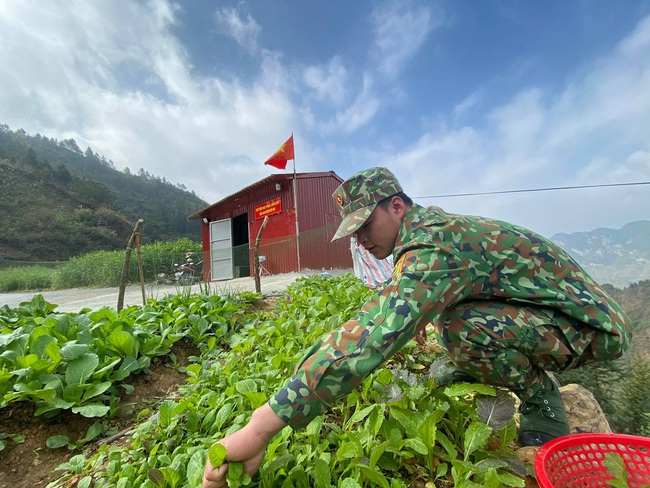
256	258
125	266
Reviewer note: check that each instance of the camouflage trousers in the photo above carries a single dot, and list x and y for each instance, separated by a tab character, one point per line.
507	345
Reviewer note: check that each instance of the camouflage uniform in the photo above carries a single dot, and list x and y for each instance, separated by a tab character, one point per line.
506	305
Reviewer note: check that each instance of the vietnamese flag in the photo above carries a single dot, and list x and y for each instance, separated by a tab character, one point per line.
282	155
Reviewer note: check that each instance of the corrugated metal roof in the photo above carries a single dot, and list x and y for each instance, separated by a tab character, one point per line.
265	181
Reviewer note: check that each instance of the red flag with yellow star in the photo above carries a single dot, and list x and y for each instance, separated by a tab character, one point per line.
282	155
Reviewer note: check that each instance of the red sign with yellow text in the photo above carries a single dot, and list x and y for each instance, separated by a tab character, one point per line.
268	208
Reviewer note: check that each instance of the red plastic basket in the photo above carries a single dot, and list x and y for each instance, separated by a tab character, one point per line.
576	460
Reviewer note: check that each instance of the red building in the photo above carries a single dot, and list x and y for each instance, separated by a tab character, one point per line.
232	225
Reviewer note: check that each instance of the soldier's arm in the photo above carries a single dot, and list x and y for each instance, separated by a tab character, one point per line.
343	358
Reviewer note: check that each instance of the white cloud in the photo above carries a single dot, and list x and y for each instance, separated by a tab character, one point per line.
244	29
113	76
328	82
400	28
361	111
594	131
79	71
470	102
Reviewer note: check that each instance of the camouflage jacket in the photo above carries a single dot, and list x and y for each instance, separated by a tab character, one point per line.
442	259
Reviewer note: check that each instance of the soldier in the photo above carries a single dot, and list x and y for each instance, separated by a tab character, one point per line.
506	305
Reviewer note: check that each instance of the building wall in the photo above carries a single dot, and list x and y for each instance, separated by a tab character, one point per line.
318	219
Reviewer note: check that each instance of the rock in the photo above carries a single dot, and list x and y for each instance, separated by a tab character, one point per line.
584	415
583	411
527	454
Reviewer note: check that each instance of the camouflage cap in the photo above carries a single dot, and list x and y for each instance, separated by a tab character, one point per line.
358	196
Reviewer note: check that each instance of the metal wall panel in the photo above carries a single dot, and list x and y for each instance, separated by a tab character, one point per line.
318	220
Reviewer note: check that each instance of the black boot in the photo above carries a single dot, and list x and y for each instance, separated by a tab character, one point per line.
542	417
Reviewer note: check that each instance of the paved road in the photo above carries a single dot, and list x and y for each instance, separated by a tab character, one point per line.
73	300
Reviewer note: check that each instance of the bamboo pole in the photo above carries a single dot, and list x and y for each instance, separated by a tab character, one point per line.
256	258
295	203
125	266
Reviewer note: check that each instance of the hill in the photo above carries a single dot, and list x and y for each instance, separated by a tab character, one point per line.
616	256
60	202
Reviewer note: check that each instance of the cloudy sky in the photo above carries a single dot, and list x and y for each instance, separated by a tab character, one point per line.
453	96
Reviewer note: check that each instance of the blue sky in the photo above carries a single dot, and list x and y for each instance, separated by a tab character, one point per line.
453	96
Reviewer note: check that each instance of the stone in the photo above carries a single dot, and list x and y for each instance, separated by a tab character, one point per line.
583	411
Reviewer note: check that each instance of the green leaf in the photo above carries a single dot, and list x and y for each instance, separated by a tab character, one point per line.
156	477
123	342
73	351
375	477
495	411
349	483
80	369
96	389
359	415
491	479
246	386
222	415
39	345
195	468
73	393
92	410
376	452
510	479
322	474
616	467
57	441
447	444
417	445
172	476
486	465
236	476
476	437
348	450
256	398
462	389
53	351
94	431
217	454
75	464
85	482
376	419
165	413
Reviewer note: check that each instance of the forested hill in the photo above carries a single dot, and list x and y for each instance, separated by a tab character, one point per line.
58	201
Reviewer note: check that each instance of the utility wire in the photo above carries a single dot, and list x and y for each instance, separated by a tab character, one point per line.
534	190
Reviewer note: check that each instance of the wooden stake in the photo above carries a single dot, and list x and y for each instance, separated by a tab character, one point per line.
256	258
125	266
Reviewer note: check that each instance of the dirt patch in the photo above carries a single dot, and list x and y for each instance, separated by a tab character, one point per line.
32	463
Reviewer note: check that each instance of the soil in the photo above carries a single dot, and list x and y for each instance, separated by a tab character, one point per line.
32	464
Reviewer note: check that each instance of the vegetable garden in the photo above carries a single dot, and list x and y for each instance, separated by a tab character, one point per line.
397	430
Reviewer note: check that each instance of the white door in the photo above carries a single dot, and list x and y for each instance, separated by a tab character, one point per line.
221	265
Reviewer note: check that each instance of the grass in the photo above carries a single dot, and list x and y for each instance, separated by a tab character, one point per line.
100	269
27	278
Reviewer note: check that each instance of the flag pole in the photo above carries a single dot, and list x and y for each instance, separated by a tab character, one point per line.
295	203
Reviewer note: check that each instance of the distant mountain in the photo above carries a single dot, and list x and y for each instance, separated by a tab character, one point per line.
615	256
57	201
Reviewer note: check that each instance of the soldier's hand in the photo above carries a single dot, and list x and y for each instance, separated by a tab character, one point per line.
247	446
